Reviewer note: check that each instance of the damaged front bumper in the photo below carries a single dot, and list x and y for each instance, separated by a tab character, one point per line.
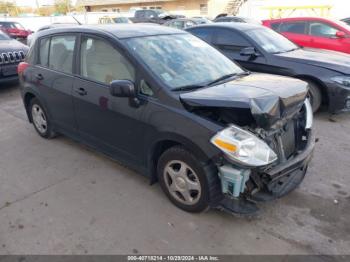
274	183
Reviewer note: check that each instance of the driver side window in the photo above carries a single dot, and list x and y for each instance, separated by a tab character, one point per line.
101	62
322	30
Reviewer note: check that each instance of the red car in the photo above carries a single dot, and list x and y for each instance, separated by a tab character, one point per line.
314	32
14	29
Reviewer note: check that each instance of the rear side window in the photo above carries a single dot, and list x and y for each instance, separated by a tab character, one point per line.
228	38
293	27
61	53
44	45
101	62
276	26
205	34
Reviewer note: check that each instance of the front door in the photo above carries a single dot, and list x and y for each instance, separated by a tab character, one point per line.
231	43
109	123
323	35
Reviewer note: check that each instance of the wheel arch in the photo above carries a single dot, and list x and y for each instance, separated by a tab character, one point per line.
318	83
28	96
167	141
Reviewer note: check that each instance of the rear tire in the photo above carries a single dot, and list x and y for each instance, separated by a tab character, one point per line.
187	183
40	119
315	96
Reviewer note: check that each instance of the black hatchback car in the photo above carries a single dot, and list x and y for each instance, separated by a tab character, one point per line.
175	109
260	49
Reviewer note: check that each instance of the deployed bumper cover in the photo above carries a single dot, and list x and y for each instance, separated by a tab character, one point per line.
281	180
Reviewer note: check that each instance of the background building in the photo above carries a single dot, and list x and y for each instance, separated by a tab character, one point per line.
209	8
258	9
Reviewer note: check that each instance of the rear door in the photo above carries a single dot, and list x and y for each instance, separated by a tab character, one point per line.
296	31
107	122
53	76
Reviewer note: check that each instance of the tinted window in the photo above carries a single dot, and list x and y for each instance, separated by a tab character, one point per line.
276	26
271	41
177	24
205	34
295	27
322	29
149	14
103	63
61	53
230	38
44	51
188	24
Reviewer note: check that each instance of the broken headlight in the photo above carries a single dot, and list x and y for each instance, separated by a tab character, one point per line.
243	147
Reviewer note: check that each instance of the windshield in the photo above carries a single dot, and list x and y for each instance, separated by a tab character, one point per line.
271	41
4	36
182	60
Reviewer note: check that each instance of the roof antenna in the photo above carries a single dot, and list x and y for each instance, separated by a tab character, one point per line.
79	23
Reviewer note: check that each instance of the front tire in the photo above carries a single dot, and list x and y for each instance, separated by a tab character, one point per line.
40	119
315	97
184	180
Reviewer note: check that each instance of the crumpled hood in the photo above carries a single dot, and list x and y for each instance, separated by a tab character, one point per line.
336	61
268	97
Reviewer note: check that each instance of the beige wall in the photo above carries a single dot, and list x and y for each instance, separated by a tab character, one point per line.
185	7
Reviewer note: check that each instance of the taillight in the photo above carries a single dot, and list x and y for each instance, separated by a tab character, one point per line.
21	67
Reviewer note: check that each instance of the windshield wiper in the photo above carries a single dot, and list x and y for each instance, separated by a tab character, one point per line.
188	87
220	79
228	76
224	77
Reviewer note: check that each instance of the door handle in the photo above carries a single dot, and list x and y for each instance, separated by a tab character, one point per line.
39	77
81	91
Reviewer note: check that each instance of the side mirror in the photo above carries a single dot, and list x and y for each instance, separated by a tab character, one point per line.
249	51
340	34
122	88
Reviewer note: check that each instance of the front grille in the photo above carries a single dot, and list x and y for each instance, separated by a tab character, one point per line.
12	57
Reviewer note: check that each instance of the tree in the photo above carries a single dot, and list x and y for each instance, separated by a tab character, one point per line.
62	6
7	7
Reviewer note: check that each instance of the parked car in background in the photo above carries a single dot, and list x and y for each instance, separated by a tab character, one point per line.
156	16
315	32
15	30
236	19
174	108
114	20
258	48
346	20
183	23
31	37
12	53
202	20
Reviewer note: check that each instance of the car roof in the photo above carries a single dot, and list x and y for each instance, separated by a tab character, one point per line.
237	26
121	31
298	19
